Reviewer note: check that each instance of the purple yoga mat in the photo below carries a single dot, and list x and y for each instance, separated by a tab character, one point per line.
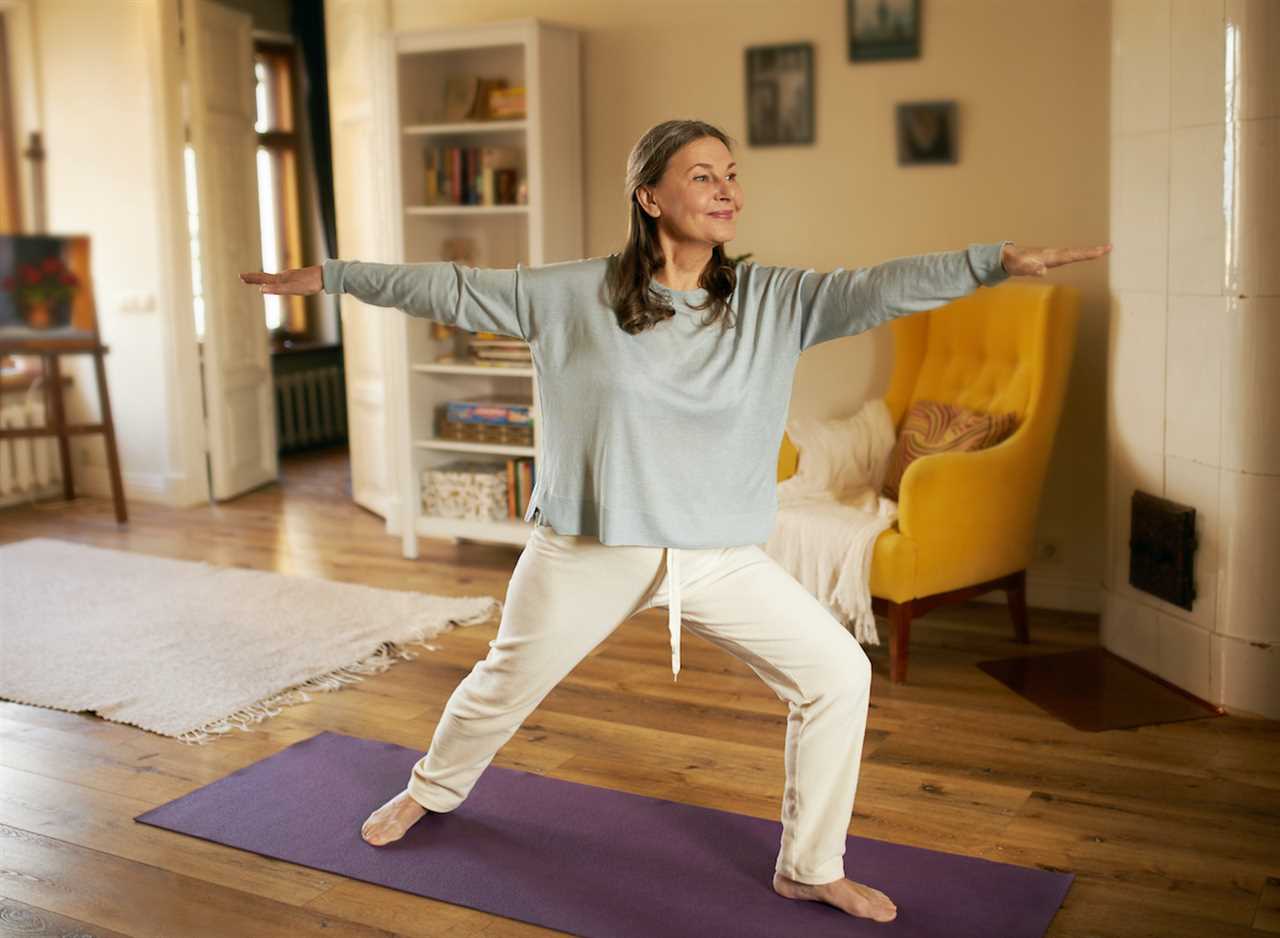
588	860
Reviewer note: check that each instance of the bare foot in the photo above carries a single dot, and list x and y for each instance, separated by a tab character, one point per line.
844	894
391	821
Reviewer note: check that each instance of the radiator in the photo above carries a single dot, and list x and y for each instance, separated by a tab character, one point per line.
29	468
311	407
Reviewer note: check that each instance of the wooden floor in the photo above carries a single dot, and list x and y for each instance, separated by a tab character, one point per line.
1171	830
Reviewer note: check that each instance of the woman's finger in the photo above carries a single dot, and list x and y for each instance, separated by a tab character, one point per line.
1056	257
257	277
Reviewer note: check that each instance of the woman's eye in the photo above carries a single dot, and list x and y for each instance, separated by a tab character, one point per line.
704	176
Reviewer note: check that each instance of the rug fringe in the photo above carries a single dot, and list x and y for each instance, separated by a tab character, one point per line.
377	661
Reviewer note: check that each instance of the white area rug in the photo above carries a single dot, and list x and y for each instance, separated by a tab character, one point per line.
189	649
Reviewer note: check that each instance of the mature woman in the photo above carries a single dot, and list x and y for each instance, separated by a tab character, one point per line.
656	482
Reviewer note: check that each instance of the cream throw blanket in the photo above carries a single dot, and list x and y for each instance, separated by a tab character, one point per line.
831	511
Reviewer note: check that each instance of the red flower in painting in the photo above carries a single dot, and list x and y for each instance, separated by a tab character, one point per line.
47	280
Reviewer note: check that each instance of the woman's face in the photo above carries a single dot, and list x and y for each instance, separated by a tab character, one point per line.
698	197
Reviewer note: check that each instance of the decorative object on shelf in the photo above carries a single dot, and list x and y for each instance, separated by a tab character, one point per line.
461	250
780	94
883	29
925	132
507	103
466	97
470	489
43	288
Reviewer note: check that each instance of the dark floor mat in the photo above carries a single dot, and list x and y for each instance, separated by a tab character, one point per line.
1093	689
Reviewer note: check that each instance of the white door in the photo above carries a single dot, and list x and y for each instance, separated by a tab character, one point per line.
241	428
355	33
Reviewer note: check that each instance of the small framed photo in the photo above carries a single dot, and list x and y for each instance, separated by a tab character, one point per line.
926	132
780	94
883	29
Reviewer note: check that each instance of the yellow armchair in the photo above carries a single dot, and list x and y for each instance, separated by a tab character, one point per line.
966	520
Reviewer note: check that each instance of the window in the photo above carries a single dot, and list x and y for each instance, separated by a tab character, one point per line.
278	198
193	237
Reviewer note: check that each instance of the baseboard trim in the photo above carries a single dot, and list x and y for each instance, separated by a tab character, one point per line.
1062	593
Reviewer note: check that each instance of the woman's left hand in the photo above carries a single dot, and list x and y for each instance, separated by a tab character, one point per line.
1033	262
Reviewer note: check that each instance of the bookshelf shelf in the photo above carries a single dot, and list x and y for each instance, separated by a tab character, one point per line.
464	127
505	371
466	209
460	446
504	532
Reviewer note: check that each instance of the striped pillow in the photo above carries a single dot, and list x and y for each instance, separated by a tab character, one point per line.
934	427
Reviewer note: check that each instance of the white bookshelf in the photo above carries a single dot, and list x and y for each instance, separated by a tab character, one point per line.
543	58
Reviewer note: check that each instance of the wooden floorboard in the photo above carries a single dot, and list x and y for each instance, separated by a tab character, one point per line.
1172	830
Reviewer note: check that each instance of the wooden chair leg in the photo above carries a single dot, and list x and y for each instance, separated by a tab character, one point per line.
899	639
1017	593
109	438
57	420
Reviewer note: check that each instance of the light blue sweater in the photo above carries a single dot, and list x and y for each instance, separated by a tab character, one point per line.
669	437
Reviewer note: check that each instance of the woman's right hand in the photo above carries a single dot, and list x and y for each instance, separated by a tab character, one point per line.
300	280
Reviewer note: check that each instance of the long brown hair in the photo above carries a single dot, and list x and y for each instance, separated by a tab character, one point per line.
636	304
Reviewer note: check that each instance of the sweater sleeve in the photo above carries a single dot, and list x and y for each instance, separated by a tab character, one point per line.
477	299
846	302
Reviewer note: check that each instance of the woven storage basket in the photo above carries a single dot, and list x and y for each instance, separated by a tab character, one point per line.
466	489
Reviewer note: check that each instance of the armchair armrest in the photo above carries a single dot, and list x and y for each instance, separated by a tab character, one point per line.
970	498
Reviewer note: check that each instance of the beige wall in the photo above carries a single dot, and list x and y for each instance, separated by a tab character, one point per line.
95	75
1031	84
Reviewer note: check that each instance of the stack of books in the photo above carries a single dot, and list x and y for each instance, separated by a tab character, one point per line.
498	352
488	175
520	479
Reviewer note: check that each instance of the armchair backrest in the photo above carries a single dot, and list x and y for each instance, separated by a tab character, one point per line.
1001	349
995	350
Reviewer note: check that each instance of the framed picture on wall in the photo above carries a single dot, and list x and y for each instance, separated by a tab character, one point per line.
780	94
45	291
883	29
926	132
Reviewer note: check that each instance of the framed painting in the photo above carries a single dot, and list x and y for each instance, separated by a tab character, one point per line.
46	296
883	29
780	94
926	132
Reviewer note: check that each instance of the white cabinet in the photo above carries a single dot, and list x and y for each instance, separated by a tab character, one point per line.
546	227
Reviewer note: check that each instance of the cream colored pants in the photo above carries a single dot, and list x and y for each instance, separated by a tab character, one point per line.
568	593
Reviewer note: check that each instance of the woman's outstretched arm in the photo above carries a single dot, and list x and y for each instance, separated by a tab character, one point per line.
846	302
477	299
